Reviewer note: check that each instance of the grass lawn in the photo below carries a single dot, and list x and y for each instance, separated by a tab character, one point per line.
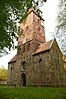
32	93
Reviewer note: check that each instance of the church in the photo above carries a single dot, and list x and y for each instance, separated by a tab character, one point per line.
37	62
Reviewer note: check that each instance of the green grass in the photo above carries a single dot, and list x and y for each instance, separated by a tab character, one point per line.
32	93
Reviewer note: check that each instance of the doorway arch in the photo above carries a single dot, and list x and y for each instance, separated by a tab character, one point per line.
23	79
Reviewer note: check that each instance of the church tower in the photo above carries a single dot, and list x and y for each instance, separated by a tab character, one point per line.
32	32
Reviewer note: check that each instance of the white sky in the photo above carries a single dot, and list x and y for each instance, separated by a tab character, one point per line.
49	14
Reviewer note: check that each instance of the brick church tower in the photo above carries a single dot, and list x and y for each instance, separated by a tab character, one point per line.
32	31
37	62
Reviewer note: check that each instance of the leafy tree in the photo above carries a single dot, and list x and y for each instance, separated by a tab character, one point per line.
11	12
61	26
3	73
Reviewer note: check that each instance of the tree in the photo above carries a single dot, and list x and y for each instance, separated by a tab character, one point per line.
3	73
11	12
61	26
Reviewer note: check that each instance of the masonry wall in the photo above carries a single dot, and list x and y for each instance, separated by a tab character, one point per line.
57	72
45	68
11	73
42	69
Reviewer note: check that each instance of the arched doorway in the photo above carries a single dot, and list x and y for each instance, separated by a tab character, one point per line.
23	79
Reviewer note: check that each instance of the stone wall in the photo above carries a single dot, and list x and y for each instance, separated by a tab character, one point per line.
44	68
11	73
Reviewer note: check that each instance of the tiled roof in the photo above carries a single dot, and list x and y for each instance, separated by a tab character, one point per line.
13	59
43	47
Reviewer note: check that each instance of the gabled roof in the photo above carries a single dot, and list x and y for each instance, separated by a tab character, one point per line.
13	59
44	47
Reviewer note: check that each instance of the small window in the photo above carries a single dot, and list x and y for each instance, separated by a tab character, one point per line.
28	46
59	70
38	20
38	28
48	79
40	60
27	28
23	63
11	68
23	48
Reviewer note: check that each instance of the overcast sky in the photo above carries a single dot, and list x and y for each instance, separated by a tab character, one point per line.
49	14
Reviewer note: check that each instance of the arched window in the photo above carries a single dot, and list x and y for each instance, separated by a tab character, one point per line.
27	28
40	60
11	68
28	46
38	29
23	48
38	21
23	63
